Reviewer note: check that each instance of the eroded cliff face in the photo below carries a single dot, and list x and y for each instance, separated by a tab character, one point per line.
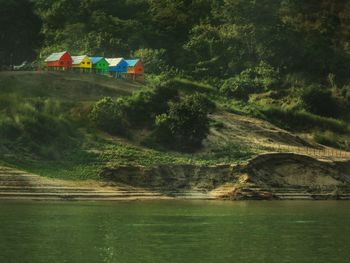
173	177
278	170
268	176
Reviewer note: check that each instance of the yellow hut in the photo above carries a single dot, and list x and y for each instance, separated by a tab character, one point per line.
82	63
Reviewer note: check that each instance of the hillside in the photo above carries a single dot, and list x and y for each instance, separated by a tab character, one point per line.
44	130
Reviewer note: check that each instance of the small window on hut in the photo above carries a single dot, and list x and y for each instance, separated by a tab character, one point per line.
62	62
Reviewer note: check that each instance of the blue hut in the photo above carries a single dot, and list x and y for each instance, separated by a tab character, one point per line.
117	67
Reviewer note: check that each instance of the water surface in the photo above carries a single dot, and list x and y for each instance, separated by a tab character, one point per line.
175	231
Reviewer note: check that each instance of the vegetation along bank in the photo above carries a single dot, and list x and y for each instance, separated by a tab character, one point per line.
237	99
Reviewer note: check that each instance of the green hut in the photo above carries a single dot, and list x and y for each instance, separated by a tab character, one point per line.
100	65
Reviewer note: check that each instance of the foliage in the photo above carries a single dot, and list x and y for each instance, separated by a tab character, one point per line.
297	120
154	60
180	125
206	39
240	47
266	75
319	100
19	31
142	107
39	127
136	111
251	80
107	116
327	138
238	87
185	125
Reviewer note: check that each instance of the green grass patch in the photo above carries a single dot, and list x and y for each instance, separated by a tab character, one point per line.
60	86
81	164
190	86
331	139
302	121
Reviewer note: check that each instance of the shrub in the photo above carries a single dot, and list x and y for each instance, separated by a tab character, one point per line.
320	101
9	130
239	87
143	106
108	116
327	138
266	75
301	120
186	124
251	80
34	127
138	110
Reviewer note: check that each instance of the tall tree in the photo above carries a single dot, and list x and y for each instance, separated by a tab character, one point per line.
19	31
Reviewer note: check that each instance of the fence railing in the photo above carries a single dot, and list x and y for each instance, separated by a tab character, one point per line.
313	151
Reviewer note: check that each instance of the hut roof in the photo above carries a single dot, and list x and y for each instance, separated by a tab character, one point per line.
55	56
132	62
78	59
95	60
113	62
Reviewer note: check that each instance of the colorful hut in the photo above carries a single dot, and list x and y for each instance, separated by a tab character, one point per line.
99	65
82	63
135	68
117	67
59	61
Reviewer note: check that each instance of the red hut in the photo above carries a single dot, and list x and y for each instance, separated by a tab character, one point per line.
59	61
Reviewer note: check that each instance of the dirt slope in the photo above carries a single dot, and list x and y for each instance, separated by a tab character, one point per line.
252	131
265	137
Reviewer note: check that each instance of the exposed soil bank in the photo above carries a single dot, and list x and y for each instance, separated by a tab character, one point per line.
268	176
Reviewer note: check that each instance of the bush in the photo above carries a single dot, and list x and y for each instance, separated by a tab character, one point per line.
9	130
266	76
239	87
296	120
138	110
142	107
108	116
320	101
251	80
36	127
186	124
327	138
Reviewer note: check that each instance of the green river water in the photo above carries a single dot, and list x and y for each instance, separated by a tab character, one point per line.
175	231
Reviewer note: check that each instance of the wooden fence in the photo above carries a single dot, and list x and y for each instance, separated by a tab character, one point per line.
313	151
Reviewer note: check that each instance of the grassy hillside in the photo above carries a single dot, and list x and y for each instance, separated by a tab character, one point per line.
44	126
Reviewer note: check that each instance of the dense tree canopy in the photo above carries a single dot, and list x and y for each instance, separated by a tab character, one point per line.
19	31
203	38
